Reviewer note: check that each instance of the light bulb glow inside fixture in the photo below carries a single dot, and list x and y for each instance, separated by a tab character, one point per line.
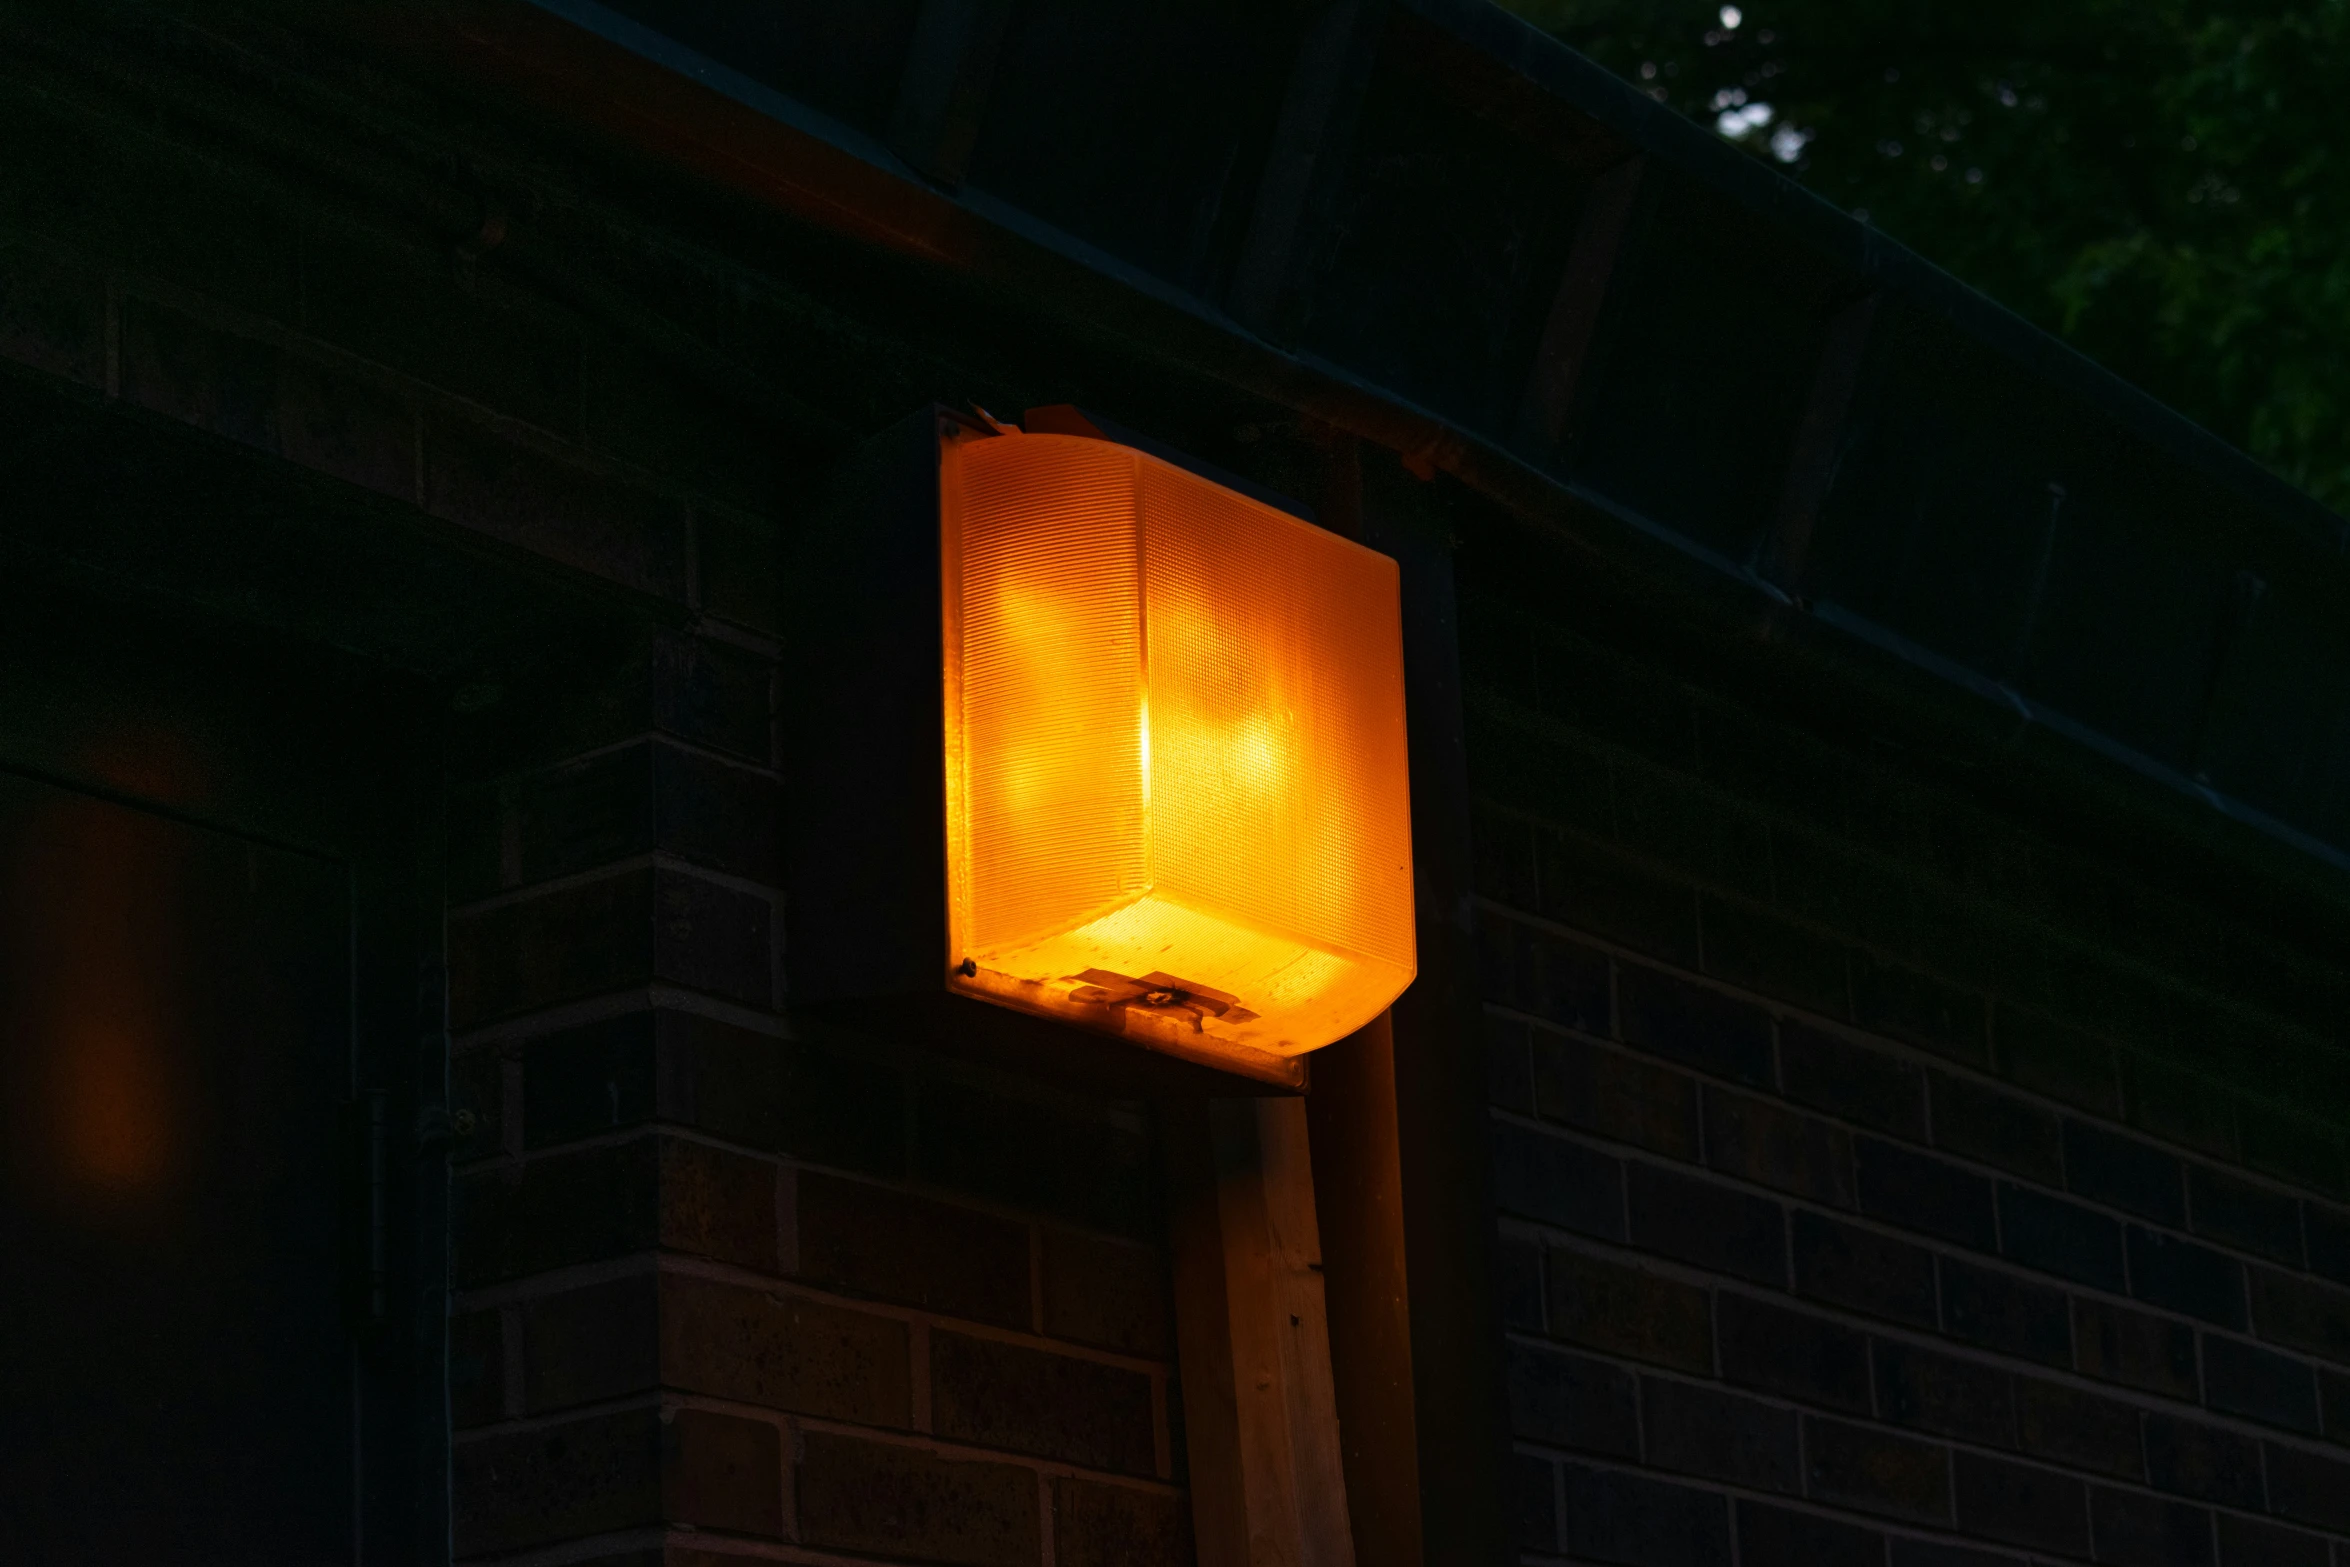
1177	803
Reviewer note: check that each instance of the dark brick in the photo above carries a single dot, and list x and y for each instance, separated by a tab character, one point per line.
588	1345
1772	1146
53	316
2301	1314
569	513
2063	1063
2189	1458
827	1106
993	1394
586	1081
1774	957
2137	1530
1533	1505
1819	879
1714	1226
1613	895
1945	1395
1794	1354
1695	1026
1108	1293
2182	1276
2259	1384
347	427
1098	1525
1981	946
717	814
2078	1429
2247	1542
715	694
1557	1182
1854	1081
2308	1487
1615	1095
1518	1281
784	1351
605	1202
556	946
1932	1553
1092	1169
1917	1009
1504	866
477	1369
569	819
1533	769
2329	1240
582	1477
713	938
1573	1401
1872	1469
1692	829
2244	1214
1997	1128
1628	1519
740	568
1529	969
2333	1391
903	1501
2123	1173
553	1212
2060	1237
2000	1311
2117	1344
869	1240
1920	1192
617	1471
1706	1432
1509	1065
2018	1504
411	315
1628	1311
190	371
2178	1107
1862	1270
2292	1149
1777	1537
722	1472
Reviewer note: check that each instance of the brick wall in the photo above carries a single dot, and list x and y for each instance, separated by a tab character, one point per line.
1881	1185
719	1289
717	1282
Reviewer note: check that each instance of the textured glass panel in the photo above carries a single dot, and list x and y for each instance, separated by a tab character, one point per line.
1178	805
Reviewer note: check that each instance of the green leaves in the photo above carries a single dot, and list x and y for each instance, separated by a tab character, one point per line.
2160	186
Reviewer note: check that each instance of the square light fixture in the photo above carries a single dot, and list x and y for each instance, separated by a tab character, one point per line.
1176	796
1092	736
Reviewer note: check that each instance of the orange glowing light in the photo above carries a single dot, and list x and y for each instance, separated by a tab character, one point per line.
1177	802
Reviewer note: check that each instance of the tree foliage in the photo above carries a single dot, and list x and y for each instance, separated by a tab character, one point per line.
2158	183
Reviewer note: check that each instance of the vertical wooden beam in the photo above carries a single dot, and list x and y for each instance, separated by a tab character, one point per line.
1339	46
1260	1415
1400	1134
1785	556
942	96
1352	1117
1561	365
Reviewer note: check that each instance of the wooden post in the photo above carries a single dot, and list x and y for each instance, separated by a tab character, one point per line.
1260	1414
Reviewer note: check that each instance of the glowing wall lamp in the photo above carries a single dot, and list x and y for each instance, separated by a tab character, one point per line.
1166	750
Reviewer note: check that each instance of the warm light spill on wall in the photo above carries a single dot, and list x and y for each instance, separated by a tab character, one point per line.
1177	802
